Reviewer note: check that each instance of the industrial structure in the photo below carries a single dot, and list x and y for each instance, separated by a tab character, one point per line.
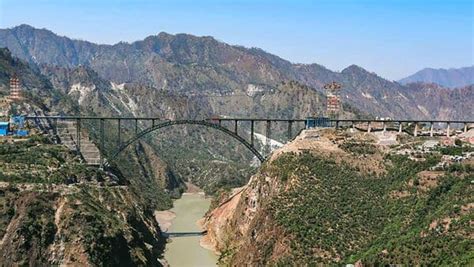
333	97
12	124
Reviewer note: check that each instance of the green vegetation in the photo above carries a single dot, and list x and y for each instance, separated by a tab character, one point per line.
36	160
332	213
455	150
359	148
113	224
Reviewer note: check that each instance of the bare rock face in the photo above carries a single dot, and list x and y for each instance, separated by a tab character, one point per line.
61	228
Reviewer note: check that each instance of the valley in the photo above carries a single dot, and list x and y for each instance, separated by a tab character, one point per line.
247	167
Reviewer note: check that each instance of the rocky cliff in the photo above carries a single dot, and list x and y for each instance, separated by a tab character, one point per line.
336	198
57	211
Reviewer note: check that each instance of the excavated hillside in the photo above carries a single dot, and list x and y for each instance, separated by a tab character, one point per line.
340	198
57	211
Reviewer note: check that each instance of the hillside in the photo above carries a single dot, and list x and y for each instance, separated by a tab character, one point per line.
339	198
55	211
443	103
58	211
194	65
451	78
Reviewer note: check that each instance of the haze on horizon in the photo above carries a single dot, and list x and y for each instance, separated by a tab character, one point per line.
393	38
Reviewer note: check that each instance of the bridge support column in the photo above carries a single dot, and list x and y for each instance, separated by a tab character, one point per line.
353	126
136	126
102	142
368	127
78	135
337	125
153	123
235	126
290	130
448	129
465	127
267	137
384	127
252	122
415	133
220	123
400	127
55	130
431	129
119	137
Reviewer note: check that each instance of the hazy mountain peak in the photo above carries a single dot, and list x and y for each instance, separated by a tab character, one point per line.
446	77
354	68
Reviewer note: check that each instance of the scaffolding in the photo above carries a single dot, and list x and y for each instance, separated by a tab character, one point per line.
333	97
15	89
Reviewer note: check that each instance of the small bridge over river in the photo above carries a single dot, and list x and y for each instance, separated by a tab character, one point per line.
142	126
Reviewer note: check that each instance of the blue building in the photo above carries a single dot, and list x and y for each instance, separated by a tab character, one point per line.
4	126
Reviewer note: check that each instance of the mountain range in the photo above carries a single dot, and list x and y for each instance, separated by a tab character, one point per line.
204	68
451	78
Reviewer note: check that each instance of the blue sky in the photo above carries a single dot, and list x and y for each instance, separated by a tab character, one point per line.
393	38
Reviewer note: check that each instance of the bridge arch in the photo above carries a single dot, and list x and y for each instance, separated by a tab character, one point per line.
189	122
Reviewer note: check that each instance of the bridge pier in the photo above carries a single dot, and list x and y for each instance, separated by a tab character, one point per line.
415	133
78	135
337	125
55	130
119	137
267	136
102	142
290	131
235	126
465	128
136	126
400	127
384	125
368	127
353	126
252	122
448	129
431	129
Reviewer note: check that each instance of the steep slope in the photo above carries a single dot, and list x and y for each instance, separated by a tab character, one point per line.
451	78
38	91
57	211
202	65
443	103
338	198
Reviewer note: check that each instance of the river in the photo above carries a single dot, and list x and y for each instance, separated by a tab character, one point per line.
185	250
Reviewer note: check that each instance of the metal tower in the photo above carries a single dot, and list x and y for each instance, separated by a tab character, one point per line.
333	97
15	89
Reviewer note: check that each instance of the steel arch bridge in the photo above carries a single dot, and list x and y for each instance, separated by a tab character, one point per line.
208	124
49	124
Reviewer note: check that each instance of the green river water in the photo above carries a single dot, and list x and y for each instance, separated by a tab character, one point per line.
186	251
